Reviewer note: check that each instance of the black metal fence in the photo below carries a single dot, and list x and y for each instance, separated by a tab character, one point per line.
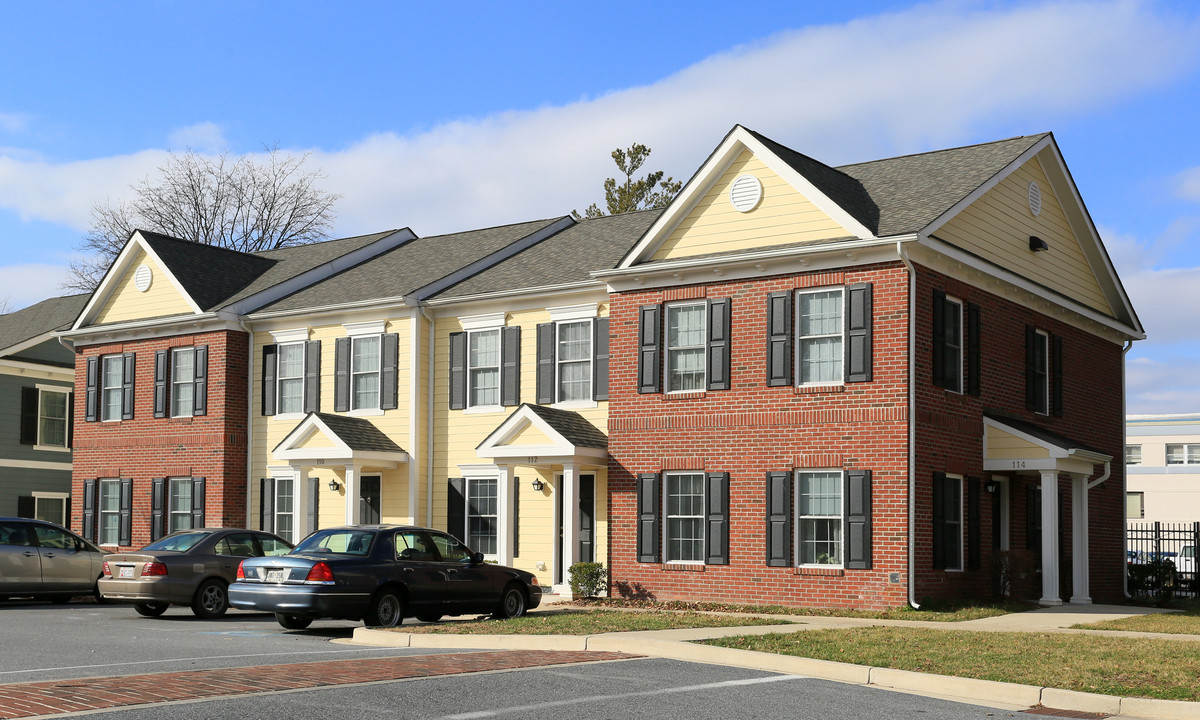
1162	559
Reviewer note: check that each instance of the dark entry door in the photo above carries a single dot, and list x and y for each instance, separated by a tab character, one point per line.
585	551
368	500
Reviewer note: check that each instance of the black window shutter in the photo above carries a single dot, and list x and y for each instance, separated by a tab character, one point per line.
200	387
127	387
974	531
718	344
649	354
89	509
1033	523
312	376
29	415
1056	382
516	514
27	506
510	366
157	490
545	364
341	374
716	534
161	359
313	511
91	401
779	339
779	519
197	502
600	359
996	521
939	338
1031	398
456	508
269	365
857	360
389	375
266	506
974	357
125	527
458	370
939	521
649	511
858	519
71	419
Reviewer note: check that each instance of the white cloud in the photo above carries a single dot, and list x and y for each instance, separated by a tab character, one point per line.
27	284
205	137
1162	386
1188	184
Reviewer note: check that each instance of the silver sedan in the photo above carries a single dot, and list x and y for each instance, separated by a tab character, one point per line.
41	559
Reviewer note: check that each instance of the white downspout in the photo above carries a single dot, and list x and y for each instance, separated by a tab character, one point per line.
414	371
250	420
1124	470
912	419
429	422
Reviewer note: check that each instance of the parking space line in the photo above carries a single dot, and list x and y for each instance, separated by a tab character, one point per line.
187	659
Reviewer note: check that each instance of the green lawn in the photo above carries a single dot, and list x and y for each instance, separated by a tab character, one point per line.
584	622
1186	623
937	612
1130	667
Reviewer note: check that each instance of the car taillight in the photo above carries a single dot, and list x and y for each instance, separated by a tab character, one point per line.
533	581
320	573
241	573
106	570
154	568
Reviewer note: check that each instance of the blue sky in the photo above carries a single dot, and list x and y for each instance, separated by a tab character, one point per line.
450	116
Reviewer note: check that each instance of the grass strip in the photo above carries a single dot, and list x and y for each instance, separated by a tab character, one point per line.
1185	623
1126	667
583	622
936	612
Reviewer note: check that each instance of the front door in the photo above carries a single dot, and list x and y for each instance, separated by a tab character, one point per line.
585	549
368	500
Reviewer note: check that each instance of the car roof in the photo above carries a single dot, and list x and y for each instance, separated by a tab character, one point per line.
384	527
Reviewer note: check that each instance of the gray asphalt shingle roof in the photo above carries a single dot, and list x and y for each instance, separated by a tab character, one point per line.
56	313
358	433
572	426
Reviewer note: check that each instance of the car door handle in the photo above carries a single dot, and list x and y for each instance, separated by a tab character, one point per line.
451	572
29	553
49	555
408	570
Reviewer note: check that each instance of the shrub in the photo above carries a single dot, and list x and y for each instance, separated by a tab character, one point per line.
1153	581
587	578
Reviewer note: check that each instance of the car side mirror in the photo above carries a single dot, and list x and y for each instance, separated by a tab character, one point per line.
476	558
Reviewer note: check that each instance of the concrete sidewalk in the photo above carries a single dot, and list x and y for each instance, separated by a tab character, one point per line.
680	645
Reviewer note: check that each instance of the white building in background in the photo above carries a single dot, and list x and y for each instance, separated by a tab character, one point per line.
1162	468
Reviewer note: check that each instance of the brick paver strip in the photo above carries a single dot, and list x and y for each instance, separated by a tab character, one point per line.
21	700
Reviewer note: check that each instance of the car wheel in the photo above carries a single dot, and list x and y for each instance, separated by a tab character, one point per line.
512	604
387	610
429	618
293	622
97	594
151	609
211	599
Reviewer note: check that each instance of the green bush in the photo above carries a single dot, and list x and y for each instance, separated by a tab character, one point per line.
587	578
1153	581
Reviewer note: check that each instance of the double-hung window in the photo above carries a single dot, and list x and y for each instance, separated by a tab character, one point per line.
365	363
291	378
952	344
684	514
1181	454
284	508
110	512
112	382
179	504
683	517
686	345
183	381
1133	454
1041	373
482	515
947	522
45	410
819	316
573	358
485	364
819	517
483	368
364	372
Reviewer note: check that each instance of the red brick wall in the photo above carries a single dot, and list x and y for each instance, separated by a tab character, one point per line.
950	439
752	429
212	446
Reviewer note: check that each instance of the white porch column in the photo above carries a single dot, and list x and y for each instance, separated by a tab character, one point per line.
504	533
570	518
353	491
1080	590
300	523
1050	593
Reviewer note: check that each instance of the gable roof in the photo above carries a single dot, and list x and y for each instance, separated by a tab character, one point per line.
574	427
33	322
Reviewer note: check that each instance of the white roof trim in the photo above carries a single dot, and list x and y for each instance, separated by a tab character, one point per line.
339	454
738	139
119	267
1056	451
495	445
26	344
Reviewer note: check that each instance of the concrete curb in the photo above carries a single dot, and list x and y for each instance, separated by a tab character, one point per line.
1006	695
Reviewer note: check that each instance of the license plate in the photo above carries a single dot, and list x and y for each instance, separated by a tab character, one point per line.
125	572
276	576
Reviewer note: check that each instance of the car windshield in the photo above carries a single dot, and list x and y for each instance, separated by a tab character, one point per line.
343	541
177	543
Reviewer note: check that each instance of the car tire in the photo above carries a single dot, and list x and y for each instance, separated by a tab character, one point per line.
151	609
211	599
429	618
293	622
387	610
512	603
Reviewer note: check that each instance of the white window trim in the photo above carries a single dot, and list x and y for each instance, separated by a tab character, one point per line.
172	384
961	524
1044	408
961	355
495	407
483	322
103	405
378	375
567	313
171	481
40	494
666	517
374	327
666	366
1139	454
100	510
292	514
841	515
39	445
800	338
470	480
290	335
1186	454
279	415
591	361
1004	493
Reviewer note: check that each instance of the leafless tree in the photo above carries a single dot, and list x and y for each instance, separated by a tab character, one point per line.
235	202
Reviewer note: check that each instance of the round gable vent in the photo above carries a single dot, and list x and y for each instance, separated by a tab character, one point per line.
142	277
1035	198
745	193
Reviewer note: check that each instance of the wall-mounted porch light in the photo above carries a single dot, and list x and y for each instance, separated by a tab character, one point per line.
538	485
333	486
991	486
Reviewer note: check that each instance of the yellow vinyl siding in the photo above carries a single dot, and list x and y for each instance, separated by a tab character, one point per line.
1006	446
128	303
997	227
531	435
783	216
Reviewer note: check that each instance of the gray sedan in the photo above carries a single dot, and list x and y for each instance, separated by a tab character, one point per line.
41	559
187	567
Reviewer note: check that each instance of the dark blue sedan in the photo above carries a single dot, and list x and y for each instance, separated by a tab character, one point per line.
380	574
